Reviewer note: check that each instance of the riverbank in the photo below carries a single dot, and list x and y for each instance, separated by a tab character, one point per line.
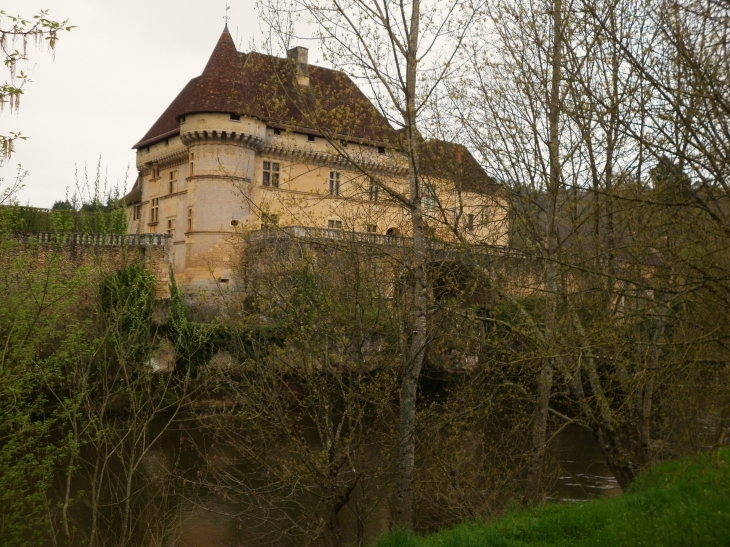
680	503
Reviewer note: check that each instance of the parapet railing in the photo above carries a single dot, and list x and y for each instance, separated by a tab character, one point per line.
313	234
99	240
310	233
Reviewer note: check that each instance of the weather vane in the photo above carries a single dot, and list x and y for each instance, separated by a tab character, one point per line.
226	18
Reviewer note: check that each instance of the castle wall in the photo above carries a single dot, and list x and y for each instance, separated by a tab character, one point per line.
207	185
104	254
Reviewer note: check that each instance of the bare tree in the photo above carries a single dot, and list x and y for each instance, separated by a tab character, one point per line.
402	51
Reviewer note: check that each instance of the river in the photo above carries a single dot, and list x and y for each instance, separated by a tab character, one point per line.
174	505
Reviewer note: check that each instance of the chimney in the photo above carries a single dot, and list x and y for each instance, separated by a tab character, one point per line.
300	55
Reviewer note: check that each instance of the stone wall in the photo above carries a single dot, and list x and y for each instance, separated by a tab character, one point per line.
106	253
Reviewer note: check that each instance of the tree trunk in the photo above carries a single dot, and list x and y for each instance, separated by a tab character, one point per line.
545	381
405	512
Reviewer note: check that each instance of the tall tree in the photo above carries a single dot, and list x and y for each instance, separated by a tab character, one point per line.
551	96
402	51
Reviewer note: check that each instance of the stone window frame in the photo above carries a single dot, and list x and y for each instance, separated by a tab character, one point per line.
334	186
271	174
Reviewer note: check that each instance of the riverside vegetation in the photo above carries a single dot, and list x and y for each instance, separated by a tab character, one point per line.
290	406
681	503
318	405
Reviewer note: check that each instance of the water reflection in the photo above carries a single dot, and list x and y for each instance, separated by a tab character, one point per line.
583	472
169	481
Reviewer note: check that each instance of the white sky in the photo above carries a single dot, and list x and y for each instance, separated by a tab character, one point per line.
111	79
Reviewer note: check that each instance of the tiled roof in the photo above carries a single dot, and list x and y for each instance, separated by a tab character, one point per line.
135	194
451	161
265	87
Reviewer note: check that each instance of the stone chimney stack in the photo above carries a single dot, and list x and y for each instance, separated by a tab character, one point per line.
300	55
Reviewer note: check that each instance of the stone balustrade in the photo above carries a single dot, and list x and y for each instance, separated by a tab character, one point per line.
100	240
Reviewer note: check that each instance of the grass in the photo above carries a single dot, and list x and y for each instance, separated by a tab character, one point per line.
680	503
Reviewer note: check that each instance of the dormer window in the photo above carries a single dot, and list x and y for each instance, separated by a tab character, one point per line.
236	117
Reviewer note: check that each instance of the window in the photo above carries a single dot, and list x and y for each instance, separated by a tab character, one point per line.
310	138
271	174
137	212
190	220
172	180
372	228
171	226
381	149
154	210
155	172
182	119
429	197
373	192
334	224
484	215
236	117
277	131
192	168
334	183
469	222
167	142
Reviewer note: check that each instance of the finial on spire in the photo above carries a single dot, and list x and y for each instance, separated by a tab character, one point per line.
226	18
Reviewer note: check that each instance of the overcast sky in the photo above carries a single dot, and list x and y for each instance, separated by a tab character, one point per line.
111	79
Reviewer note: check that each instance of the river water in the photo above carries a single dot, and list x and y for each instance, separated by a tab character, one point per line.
173	509
584	472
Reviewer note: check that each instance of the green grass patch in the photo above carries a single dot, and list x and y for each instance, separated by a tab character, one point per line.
680	503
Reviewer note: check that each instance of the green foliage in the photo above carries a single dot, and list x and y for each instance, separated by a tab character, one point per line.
127	298
193	341
22	219
64	205
37	312
38	27
684	502
28	458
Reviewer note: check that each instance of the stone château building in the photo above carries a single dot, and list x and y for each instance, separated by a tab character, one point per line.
258	142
